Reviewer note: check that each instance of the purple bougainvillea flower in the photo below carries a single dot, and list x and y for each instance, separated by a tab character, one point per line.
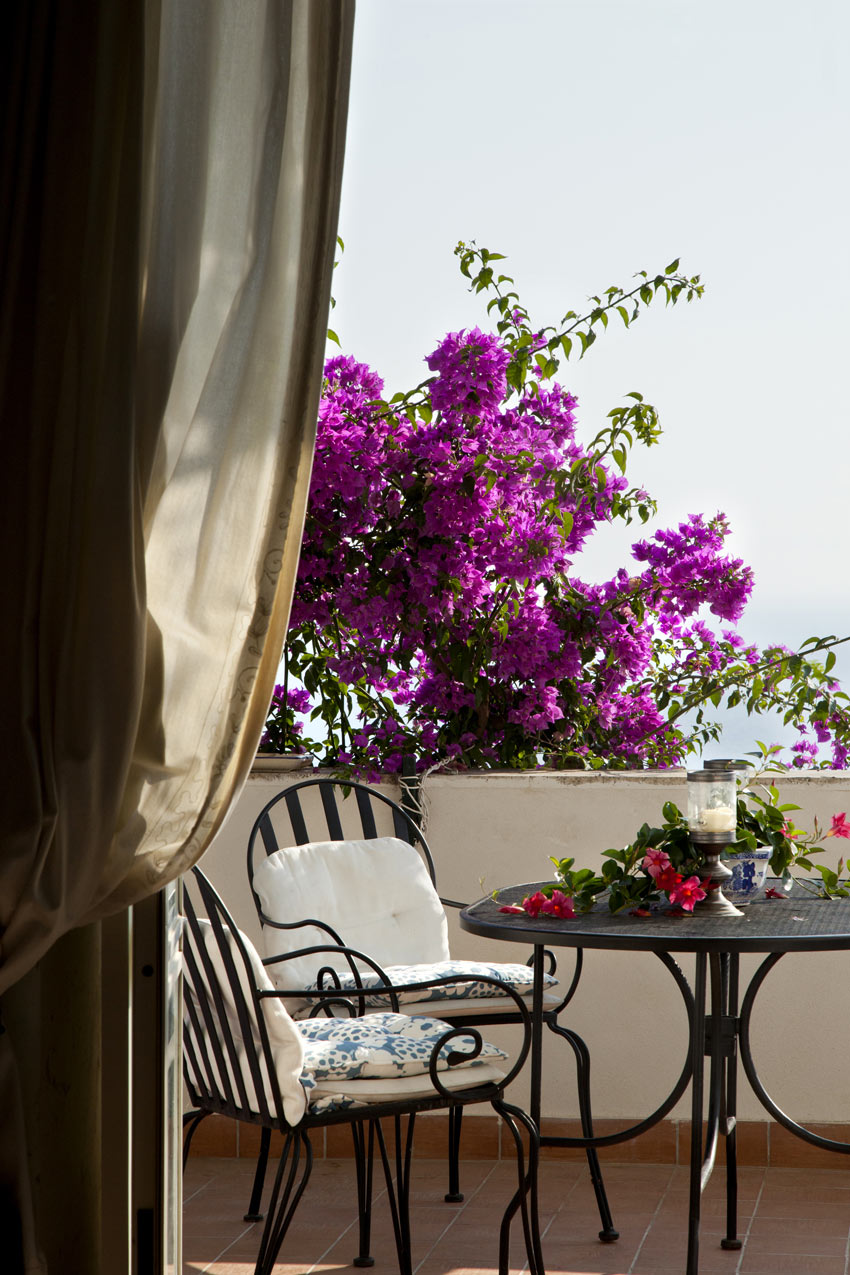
438	613
470	369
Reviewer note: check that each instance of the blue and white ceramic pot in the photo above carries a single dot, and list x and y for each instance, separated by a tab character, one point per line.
749	870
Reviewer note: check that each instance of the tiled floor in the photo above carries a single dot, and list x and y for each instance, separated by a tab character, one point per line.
792	1221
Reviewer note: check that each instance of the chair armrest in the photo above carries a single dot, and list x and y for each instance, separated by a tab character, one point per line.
456	1057
451	903
351	955
300	925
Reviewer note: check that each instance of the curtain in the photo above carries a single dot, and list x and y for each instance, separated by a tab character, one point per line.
170	176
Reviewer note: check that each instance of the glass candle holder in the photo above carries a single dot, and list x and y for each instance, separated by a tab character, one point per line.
712	806
712	824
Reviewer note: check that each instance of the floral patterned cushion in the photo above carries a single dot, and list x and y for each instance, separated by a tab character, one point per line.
380	1045
519	977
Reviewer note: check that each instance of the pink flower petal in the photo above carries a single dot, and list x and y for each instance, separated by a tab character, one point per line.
840	826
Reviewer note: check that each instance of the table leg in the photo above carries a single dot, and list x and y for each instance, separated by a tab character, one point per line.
697	1090
537	1035
536	1101
729	1113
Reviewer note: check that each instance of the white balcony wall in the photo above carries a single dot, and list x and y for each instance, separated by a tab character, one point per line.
493	829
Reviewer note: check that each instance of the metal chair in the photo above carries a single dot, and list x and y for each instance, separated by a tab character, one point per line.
244	1057
330	812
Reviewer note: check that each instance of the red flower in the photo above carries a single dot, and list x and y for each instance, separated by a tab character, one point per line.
774	894
668	879
533	903
558	905
511	907
687	893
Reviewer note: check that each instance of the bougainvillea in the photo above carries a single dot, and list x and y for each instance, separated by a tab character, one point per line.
440	612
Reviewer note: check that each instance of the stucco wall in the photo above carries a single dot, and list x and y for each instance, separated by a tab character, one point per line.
488	830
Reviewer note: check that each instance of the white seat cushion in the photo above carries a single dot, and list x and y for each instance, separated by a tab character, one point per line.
332	1095
376	894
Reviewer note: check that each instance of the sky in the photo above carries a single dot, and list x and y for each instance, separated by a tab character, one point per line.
590	139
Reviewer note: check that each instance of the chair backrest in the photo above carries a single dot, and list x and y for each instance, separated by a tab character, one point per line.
242	1053
331	810
326	862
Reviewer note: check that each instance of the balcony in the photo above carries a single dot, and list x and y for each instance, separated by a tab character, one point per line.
493	829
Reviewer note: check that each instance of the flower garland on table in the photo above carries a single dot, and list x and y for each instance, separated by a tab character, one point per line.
550	901
662	865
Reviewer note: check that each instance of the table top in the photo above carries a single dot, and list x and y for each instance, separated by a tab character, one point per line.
798	924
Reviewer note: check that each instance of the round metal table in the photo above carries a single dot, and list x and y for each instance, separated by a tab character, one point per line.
718	1028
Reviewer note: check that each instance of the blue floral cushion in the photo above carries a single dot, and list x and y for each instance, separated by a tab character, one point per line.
519	977
332	1102
380	1045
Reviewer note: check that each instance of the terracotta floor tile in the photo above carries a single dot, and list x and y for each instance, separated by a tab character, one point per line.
790	1265
794	1221
762	1240
834	1222
814	1207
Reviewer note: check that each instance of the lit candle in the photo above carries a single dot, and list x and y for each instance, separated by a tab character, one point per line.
719	819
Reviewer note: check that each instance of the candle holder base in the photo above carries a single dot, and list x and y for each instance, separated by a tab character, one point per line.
716	875
715	903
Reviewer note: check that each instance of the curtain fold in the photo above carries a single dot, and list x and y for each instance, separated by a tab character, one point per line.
169	190
177	221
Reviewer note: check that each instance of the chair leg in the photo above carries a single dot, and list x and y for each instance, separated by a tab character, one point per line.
191	1120
399	1192
286	1194
526	1192
582	1056
254	1214
455	1195
364	1153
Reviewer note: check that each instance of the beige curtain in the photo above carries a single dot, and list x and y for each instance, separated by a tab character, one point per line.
170	187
